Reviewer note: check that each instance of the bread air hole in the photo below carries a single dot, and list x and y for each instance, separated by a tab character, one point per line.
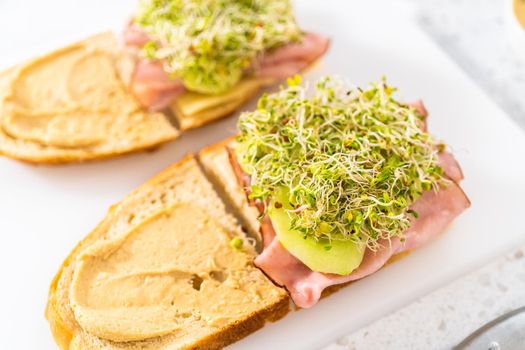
196	282
219	276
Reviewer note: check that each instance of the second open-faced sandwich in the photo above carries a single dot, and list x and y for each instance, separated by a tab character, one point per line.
218	52
198	60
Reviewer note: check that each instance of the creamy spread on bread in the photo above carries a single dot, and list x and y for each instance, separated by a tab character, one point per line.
73	97
163	275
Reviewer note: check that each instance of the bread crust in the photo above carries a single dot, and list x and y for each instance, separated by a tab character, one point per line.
65	332
245	327
234	197
32	152
63	158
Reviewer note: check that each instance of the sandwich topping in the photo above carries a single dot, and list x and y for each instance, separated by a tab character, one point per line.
344	179
346	163
209	44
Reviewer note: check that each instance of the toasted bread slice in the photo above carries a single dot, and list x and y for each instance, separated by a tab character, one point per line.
247	298
22	139
193	110
216	163
29	137
32	131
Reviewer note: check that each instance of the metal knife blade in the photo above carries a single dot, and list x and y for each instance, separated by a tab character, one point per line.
506	332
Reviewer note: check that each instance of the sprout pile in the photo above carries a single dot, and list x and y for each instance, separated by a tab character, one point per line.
352	161
210	43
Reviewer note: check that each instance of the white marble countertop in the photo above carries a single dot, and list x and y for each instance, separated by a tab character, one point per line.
473	33
445	317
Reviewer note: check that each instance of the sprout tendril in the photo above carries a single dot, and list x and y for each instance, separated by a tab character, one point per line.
353	161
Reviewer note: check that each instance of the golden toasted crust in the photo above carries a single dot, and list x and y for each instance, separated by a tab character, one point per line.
254	322
35	154
214	160
68	334
59	329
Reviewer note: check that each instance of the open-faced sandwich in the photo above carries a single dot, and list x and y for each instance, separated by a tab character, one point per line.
204	57
102	97
167	268
338	181
342	179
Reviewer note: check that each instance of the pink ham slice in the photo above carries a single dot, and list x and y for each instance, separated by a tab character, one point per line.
420	108
150	84
446	160
304	285
152	87
155	90
450	165
134	36
290	59
436	211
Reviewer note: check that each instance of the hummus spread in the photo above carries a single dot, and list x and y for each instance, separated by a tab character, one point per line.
173	272
73	97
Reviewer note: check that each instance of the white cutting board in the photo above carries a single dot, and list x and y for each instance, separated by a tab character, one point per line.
45	211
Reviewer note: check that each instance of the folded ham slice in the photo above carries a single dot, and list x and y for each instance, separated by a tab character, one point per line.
152	87
420	108
290	59
155	90
134	36
451	166
436	211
